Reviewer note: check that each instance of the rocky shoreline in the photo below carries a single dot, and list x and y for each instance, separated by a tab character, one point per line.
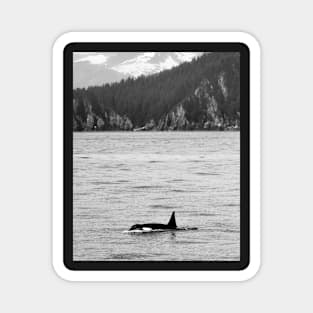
199	111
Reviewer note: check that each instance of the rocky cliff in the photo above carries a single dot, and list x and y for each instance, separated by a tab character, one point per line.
201	110
109	120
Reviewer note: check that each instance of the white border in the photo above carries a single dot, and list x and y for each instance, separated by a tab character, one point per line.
58	265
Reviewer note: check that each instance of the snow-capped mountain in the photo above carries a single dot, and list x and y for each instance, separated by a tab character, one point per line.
97	68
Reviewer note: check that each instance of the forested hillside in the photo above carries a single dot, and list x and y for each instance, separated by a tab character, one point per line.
201	94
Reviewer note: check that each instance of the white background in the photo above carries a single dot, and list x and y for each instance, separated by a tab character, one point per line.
28	282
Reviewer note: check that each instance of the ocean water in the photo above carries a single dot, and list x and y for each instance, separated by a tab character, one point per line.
126	178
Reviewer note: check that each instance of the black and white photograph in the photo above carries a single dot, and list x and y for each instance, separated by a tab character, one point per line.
156	156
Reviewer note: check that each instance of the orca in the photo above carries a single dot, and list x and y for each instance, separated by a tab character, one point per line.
171	225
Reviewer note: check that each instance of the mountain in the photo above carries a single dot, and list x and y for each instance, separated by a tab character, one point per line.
201	94
98	68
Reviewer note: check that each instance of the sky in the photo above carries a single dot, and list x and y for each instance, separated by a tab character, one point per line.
97	68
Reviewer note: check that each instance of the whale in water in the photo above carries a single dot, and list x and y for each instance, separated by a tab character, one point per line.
153	226
171	225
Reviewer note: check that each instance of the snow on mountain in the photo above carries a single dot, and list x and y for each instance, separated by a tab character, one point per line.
97	68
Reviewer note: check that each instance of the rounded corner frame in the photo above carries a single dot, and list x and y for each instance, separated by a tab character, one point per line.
254	263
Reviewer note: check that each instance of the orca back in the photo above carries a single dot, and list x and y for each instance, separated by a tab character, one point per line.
172	221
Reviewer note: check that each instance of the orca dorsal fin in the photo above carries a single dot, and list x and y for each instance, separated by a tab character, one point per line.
172	221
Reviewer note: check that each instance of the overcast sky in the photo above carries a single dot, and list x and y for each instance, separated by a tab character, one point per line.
97	68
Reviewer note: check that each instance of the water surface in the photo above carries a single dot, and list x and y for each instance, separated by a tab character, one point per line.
126	178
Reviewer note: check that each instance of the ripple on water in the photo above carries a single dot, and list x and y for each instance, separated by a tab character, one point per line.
177	180
205	214
160	206
147	187
128	256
